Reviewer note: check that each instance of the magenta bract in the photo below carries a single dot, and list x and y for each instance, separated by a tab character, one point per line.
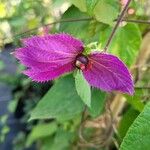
50	56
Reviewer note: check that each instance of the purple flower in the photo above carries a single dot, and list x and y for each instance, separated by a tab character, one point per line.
50	56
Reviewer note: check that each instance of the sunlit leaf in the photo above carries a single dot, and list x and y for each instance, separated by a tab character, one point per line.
41	131
135	101
90	5
81	4
105	12
126	42
3	11
33	23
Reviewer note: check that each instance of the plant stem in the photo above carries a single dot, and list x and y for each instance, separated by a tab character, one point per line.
136	21
81	19
116	26
143	87
81	124
78	20
55	22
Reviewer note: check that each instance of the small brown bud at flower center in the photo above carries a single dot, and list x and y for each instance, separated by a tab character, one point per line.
81	62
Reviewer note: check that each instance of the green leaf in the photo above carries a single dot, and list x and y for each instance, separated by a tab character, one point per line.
97	102
138	135
61	140
83	88
2	10
3	119
126	42
46	143
78	29
135	100
5	130
105	12
90	4
81	4
12	105
61	102
127	119
41	131
33	23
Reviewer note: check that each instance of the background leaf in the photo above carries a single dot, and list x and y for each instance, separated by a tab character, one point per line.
61	102
126	42
81	4
83	88
126	120
105	12
81	29
61	140
138	135
78	29
97	102
90	4
135	100
41	131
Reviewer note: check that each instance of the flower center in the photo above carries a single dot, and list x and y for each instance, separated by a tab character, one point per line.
81	62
